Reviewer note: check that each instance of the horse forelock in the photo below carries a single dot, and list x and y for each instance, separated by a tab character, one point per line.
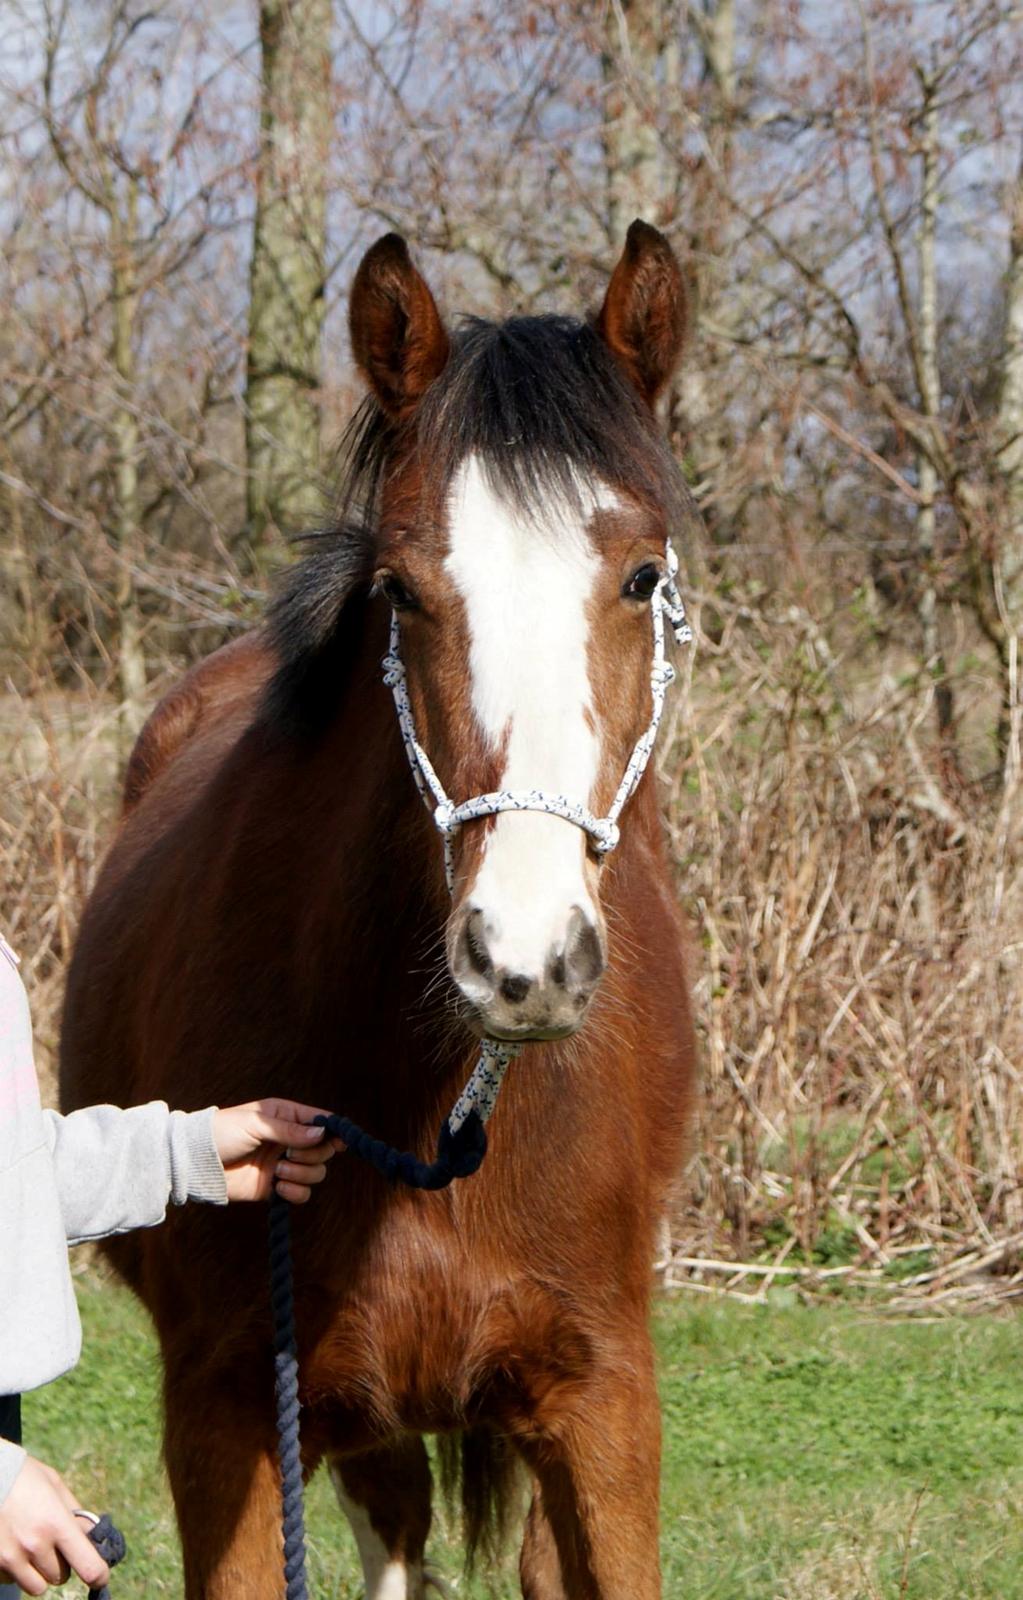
544	406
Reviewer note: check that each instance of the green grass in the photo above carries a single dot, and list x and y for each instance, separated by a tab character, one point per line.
810	1454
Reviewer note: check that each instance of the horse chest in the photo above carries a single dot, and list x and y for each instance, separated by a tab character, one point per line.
431	1336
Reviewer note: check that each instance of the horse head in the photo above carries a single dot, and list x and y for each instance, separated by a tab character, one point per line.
524	512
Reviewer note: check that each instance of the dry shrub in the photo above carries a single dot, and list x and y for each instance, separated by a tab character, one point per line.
59	754
860	997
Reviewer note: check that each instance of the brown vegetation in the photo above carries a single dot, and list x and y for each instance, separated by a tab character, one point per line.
843	768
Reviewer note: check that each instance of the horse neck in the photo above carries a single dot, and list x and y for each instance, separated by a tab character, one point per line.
384	853
367	901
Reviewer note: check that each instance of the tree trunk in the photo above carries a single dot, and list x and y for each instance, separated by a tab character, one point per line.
718	39
28	632
287	273
632	146
125	429
1010	420
692	405
930	403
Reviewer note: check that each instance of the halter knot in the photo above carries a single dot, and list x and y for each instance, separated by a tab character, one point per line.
499	1051
605	835
680	624
394	669
444	817
672	602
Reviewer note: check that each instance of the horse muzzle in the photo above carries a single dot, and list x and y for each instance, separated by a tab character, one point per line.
507	1000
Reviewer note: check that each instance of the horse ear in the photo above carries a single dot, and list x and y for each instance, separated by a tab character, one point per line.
643	318
398	338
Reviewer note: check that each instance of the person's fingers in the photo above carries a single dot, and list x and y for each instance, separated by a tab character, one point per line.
23	1574
281	1130
83	1557
315	1157
291	1110
295	1172
44	1557
296	1193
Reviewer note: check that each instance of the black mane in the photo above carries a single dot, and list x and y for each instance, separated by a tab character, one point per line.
544	405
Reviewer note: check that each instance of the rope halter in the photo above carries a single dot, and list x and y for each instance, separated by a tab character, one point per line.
481	1091
665	603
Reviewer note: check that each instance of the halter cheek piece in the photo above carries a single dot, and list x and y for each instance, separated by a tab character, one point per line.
481	1091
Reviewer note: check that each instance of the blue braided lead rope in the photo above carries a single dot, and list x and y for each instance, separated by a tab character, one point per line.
459	1154
109	1541
282	1300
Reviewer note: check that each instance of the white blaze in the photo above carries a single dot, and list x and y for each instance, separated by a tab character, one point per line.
526	586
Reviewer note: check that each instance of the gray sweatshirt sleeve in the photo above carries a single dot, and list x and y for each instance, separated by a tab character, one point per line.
12	1458
117	1169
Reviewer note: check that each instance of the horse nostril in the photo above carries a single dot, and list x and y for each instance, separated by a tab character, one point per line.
476	945
516	987
584	953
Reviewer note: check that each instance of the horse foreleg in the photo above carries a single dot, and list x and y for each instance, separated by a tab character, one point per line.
597	1461
226	1486
385	1494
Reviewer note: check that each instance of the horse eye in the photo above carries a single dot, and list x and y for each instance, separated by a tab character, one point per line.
643	581
395	592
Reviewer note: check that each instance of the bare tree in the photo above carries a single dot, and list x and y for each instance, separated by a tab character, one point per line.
118	353
1009	433
633	63
919	330
101	171
282	433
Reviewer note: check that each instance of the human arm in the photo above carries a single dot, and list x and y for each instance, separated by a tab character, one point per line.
118	1169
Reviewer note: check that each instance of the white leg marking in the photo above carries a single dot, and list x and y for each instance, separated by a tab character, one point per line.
526	589
385	1578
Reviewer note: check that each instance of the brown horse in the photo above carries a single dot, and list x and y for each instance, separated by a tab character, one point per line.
273	917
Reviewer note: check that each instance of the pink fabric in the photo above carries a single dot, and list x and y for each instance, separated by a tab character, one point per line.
19	1089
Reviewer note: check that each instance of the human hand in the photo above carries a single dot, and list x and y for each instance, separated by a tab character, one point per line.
268	1146
41	1540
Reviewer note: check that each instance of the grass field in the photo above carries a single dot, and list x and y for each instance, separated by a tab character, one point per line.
811	1454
